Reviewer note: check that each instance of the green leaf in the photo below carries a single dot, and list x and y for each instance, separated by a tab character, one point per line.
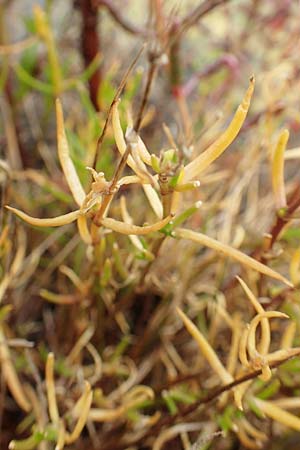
32	82
170	403
291	234
270	390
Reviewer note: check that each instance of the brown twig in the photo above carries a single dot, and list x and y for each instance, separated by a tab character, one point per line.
280	223
115	99
193	17
215	393
114	12
293	205
175	32
153	59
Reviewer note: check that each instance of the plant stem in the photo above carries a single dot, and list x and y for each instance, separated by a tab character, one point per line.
90	46
122	21
115	99
121	166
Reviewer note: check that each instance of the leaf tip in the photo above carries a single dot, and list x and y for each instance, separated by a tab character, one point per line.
252	79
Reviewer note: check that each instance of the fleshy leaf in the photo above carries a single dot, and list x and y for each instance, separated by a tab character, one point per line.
200	163
125	228
65	159
230	252
278	170
51	222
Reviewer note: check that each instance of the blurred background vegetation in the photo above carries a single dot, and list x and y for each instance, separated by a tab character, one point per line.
106	310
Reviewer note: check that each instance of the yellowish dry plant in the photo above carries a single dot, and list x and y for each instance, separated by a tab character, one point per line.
138	160
115	286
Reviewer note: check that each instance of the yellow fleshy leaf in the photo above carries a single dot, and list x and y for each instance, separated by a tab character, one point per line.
295	267
83	230
86	401
251	344
200	163
278	170
10	375
51	222
65	159
206	349
273	411
119	138
265	327
230	252
125	228
50	387
154	200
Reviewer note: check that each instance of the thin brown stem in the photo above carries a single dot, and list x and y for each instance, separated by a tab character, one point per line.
193	17
153	61
294	204
280	223
115	99
114	12
150	77
228	60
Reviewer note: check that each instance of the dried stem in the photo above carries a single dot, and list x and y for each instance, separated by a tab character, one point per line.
114	12
115	99
293	205
150	77
195	15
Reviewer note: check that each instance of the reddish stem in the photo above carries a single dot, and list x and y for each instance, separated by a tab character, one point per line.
227	60
90	45
294	203
277	227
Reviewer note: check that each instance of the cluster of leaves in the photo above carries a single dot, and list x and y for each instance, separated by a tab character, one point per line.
96	319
